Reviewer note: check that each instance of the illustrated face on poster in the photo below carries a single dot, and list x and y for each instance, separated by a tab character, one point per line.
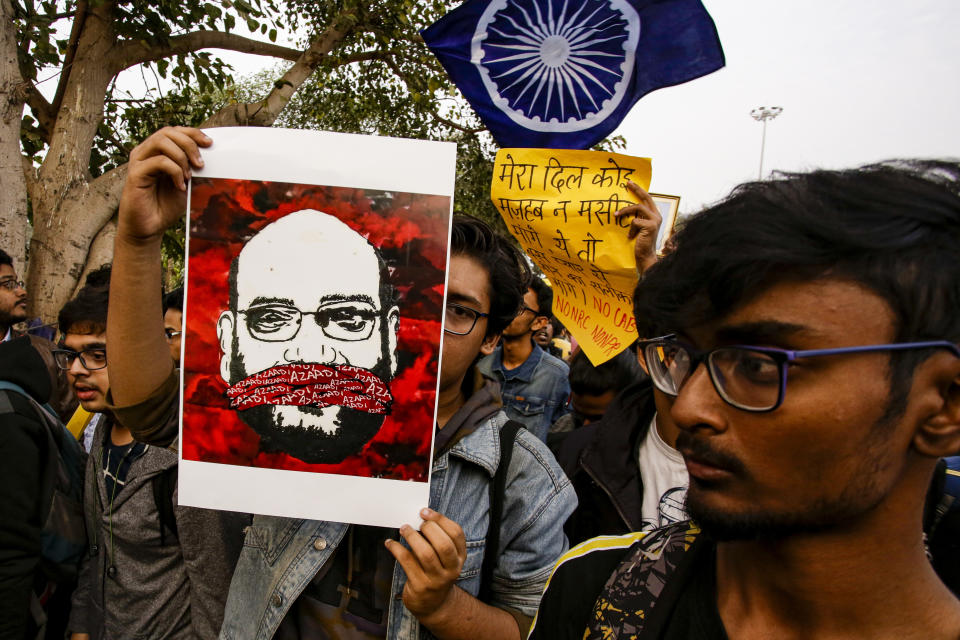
312	329
330	339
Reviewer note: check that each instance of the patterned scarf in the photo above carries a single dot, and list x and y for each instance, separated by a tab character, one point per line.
315	385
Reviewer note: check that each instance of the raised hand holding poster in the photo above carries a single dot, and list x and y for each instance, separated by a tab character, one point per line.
314	297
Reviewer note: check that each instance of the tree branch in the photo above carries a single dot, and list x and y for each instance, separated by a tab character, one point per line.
79	19
397	71
265	112
53	17
99	200
30	175
364	56
100	253
458	127
46	116
133	53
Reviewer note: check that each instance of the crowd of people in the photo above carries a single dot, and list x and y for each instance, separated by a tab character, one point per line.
802	483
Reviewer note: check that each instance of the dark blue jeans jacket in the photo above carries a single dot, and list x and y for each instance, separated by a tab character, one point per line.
534	394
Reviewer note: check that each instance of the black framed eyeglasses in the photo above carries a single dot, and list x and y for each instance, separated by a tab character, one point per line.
460	320
346	321
11	284
533	311
746	377
90	359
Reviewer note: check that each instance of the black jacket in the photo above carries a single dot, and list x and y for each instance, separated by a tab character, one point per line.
941	526
601	461
23	443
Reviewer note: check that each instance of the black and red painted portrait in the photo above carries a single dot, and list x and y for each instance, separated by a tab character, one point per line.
313	327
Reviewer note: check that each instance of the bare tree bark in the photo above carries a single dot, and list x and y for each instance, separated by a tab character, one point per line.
72	211
101	252
62	228
13	194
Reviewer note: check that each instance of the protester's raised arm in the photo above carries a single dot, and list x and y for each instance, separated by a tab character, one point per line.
644	227
154	197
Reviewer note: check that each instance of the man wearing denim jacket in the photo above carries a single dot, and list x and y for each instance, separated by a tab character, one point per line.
309	579
534	384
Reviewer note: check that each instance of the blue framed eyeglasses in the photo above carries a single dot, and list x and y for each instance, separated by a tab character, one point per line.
746	377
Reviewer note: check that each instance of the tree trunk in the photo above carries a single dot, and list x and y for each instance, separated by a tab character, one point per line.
64	224
69	208
13	194
101	252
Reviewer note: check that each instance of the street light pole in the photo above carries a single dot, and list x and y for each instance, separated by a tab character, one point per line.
762	114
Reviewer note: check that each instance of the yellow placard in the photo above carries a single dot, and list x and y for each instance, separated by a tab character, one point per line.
560	205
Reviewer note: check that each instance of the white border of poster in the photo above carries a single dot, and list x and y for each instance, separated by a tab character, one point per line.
331	159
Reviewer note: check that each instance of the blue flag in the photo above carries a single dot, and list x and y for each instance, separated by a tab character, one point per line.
562	74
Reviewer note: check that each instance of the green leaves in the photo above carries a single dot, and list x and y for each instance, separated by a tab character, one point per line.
380	78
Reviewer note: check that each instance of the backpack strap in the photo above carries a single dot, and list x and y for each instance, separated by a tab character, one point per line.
497	490
6	385
163	485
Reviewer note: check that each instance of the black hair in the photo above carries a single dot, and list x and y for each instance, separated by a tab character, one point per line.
544	296
558	327
173	300
892	227
5	258
87	312
612	375
508	270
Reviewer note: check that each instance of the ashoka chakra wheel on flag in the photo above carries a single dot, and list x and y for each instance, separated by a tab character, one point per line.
556	65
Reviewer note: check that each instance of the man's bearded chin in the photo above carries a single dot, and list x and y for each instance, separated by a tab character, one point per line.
13	317
313	434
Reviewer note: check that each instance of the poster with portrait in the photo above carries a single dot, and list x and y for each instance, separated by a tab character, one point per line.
313	320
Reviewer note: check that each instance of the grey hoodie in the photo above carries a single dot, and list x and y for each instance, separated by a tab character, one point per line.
131	586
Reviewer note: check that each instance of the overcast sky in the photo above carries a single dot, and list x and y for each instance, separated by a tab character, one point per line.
859	81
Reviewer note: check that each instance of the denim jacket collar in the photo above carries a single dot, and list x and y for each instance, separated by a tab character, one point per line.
482	447
525	371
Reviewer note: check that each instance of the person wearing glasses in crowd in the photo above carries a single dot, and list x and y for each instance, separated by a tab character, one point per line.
152	569
173	321
328	579
808	343
533	383
13	310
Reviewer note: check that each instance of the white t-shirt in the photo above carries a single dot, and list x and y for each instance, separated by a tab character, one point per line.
665	480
